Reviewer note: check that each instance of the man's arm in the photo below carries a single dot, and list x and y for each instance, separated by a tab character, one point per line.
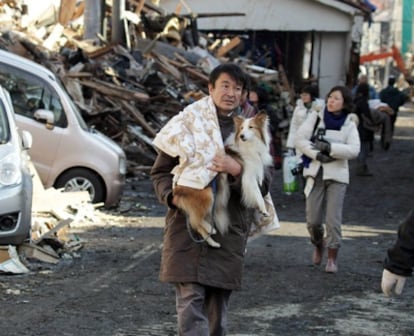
162	177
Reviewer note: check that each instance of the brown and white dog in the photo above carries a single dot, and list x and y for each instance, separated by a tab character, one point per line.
249	144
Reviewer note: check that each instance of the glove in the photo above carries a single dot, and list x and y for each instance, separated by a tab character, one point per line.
392	281
323	146
324	158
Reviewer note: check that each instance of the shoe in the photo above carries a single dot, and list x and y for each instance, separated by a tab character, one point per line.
385	145
317	254
363	171
331	265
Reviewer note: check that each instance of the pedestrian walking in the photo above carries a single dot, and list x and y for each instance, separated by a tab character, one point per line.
394	98
204	277
328	139
366	133
363	79
307	102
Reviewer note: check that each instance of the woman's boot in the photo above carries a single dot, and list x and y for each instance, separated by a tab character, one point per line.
331	265
318	254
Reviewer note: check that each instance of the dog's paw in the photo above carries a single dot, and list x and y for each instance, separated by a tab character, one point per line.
213	243
210	229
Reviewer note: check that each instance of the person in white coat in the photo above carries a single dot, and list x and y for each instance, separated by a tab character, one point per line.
328	139
307	103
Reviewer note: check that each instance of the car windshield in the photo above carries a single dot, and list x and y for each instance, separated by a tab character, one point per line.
73	106
75	109
4	125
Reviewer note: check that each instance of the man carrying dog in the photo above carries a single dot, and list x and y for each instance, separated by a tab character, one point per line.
204	277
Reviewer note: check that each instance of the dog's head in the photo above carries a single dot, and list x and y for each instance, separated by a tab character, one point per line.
252	128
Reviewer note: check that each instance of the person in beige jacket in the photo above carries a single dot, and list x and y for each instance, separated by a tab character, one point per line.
328	139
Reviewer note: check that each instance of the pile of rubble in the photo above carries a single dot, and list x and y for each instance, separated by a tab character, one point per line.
53	214
128	91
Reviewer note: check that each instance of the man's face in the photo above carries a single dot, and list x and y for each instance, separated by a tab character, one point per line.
226	94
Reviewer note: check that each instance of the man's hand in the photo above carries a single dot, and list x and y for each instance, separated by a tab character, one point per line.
323	146
226	164
324	158
391	281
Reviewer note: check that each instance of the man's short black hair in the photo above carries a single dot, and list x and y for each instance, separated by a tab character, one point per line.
233	70
391	81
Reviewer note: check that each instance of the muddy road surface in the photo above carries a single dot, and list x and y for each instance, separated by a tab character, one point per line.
110	287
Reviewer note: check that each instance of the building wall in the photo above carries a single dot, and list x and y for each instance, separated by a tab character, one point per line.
285	15
331	68
332	21
407	26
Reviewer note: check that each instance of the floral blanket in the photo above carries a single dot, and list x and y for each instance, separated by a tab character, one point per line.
194	136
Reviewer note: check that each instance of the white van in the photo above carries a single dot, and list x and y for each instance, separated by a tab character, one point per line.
16	185
66	153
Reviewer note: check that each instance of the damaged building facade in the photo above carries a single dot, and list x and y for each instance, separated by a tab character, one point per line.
318	39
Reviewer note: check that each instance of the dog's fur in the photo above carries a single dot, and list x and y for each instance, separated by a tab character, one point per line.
249	144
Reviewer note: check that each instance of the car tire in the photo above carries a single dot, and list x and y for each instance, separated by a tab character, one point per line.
81	179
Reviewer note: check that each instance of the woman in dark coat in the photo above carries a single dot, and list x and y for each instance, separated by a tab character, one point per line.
366	135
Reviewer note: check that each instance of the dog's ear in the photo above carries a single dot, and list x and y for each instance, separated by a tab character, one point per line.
262	117
238	120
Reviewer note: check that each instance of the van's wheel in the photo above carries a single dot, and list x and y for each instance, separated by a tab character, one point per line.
80	179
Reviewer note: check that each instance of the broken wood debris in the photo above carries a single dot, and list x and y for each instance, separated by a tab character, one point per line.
164	66
126	92
53	211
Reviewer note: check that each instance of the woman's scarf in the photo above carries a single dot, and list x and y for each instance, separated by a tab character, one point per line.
333	121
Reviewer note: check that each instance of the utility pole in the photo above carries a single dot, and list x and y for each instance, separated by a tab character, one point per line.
92	19
391	42
118	31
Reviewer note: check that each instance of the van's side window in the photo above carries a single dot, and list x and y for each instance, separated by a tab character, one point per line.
29	94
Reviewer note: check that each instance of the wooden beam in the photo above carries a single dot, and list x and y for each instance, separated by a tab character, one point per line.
66	11
234	42
52	233
115	90
138	117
